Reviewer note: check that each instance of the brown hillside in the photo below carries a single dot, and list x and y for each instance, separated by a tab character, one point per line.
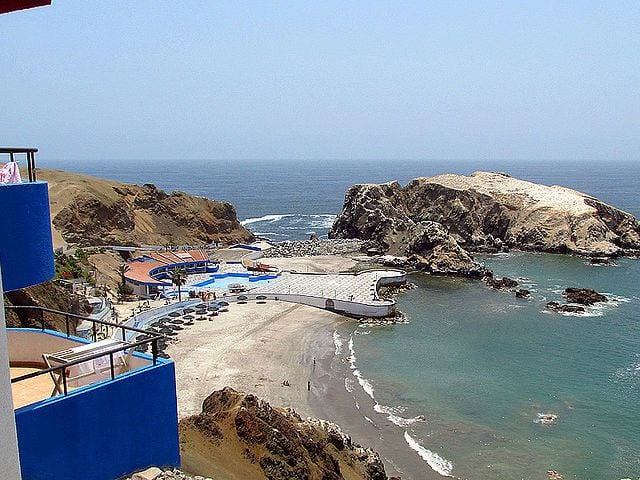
92	211
239	436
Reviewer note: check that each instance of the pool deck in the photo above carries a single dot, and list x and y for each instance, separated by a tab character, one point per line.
358	288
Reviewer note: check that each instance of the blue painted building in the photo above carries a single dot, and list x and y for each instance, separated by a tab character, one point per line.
100	424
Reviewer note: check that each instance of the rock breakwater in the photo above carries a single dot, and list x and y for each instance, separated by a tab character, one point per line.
312	248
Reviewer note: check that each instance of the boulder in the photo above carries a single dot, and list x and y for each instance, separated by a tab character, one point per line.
584	296
503	283
523	293
564	308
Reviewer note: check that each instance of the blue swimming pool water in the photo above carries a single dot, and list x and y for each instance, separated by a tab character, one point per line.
223	280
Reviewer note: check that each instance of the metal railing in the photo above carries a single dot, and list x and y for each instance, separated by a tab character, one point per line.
62	369
30	154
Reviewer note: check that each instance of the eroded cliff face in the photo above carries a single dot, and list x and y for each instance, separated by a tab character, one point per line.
241	436
452	214
47	295
92	211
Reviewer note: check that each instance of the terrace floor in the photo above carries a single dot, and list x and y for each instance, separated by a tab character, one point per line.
32	390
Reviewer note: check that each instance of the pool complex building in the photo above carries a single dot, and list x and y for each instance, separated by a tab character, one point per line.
150	274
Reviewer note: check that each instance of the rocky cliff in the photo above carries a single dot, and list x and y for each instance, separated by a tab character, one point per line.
93	211
239	436
442	218
47	295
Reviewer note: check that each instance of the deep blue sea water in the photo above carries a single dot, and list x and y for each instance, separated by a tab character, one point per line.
465	380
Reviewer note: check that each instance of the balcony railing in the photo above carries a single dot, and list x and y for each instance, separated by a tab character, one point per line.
61	370
30	154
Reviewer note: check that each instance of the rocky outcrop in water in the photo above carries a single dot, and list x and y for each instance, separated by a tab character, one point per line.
584	296
564	308
450	215
92	211
241	436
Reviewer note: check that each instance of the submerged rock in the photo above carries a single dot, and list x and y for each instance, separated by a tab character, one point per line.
564	308
503	283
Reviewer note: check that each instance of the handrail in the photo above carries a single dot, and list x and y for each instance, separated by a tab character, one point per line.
30	153
153	340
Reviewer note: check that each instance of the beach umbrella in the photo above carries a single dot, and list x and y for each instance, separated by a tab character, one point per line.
201	305
175	314
223	304
188	317
190	322
166	330
201	312
243	297
177	321
188	310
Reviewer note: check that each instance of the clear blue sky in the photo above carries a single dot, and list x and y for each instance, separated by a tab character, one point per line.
323	80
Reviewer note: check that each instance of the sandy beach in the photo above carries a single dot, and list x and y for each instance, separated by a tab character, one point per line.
253	348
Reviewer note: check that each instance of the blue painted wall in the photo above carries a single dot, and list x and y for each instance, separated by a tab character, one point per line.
26	249
103	431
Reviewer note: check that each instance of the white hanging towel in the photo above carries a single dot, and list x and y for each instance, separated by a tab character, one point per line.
10	173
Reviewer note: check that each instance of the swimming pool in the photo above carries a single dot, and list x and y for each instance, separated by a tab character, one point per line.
223	280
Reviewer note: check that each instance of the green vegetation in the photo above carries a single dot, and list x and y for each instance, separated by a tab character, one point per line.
123	288
74	266
179	278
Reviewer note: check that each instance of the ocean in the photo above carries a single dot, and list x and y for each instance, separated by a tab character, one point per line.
464	382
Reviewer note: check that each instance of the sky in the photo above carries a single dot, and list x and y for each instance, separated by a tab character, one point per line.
518	80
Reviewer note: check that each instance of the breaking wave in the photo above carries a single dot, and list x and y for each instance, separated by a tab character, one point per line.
441	465
266	218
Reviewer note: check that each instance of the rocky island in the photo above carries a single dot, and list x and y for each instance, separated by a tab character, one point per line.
434	223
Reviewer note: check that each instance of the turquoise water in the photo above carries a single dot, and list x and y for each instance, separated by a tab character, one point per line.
481	364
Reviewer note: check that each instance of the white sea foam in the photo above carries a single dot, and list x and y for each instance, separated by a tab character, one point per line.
441	465
364	383
348	385
362	332
337	341
393	415
266	218
370	421
352	353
